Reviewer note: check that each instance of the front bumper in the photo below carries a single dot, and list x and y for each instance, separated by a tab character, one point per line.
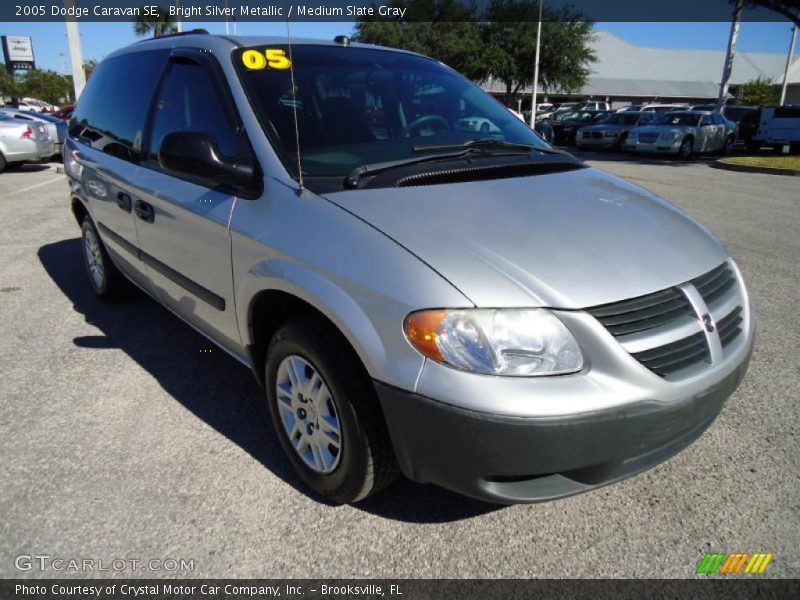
511	440
656	147
517	460
604	142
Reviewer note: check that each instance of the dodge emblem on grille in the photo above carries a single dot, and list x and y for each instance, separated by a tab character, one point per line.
708	323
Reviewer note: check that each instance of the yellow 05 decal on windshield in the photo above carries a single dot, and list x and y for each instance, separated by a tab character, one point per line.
274	58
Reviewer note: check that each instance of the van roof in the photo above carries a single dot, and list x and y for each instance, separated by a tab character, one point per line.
226	43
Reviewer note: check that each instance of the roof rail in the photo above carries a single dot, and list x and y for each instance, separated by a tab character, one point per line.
171	35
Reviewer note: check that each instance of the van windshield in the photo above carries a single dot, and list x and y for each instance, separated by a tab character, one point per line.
358	106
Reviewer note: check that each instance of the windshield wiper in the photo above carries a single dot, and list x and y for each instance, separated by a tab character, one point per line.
356	174
486	143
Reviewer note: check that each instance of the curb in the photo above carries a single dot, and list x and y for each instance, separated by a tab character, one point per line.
718	164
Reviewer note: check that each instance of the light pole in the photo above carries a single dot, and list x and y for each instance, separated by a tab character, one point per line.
726	71
75	52
536	65
788	62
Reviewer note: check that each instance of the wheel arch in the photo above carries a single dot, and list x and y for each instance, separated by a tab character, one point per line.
271	301
79	210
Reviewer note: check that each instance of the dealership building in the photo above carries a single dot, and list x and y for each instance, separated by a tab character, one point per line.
628	74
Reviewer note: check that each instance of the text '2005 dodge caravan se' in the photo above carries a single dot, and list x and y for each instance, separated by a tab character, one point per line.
472	309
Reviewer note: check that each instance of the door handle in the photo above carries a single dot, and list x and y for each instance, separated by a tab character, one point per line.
124	201
144	211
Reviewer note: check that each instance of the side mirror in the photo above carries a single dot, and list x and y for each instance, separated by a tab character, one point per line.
195	153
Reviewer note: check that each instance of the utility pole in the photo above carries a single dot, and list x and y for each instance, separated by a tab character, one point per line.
788	63
536	65
178	20
728	68
75	52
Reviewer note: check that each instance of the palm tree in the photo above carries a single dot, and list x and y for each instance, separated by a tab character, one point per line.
159	25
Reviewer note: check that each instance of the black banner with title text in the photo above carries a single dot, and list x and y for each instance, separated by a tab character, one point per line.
190	11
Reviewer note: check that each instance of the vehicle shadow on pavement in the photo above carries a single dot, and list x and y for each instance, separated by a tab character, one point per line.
218	389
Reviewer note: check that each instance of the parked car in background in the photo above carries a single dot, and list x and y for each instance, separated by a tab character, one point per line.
22	105
684	134
612	131
779	127
631	108
478	124
594	105
65	113
557	111
662	108
22	141
56	128
565	129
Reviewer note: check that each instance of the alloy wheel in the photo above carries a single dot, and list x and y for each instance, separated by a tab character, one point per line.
308	414
94	258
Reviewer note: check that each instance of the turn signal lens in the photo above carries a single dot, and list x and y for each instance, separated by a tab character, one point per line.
515	342
27	134
421	328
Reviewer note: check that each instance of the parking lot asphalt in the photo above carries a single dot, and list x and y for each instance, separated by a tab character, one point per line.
124	434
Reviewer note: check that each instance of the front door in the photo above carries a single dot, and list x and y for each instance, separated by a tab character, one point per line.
183	224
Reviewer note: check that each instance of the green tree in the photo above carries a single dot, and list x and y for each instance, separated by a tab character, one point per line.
8	85
509	28
88	67
759	91
446	30
498	42
45	85
161	24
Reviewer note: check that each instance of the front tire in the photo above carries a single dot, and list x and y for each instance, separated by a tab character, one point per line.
685	151
104	277
326	413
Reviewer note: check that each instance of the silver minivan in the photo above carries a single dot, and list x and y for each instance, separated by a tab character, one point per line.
472	309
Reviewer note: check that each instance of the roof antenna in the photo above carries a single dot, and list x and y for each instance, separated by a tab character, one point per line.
294	110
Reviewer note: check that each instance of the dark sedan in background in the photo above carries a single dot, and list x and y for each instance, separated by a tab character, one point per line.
612	131
565	128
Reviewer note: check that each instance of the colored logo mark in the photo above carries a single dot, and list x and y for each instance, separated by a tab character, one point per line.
733	564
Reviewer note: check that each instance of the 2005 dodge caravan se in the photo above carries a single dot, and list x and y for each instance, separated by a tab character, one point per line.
471	308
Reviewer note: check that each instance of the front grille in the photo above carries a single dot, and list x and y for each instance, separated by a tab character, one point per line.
648	138
714	284
665	334
586	134
730	327
673	357
642	313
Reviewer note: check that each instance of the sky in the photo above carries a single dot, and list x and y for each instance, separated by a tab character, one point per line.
100	39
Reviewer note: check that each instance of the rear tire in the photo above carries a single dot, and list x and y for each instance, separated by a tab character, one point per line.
3	163
727	147
104	277
315	385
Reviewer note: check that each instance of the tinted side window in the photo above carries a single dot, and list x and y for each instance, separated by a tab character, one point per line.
188	101
112	109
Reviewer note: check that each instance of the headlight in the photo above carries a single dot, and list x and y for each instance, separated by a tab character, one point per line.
633	137
515	342
669	136
610	134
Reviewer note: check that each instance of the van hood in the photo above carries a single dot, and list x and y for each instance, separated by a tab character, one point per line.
563	240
